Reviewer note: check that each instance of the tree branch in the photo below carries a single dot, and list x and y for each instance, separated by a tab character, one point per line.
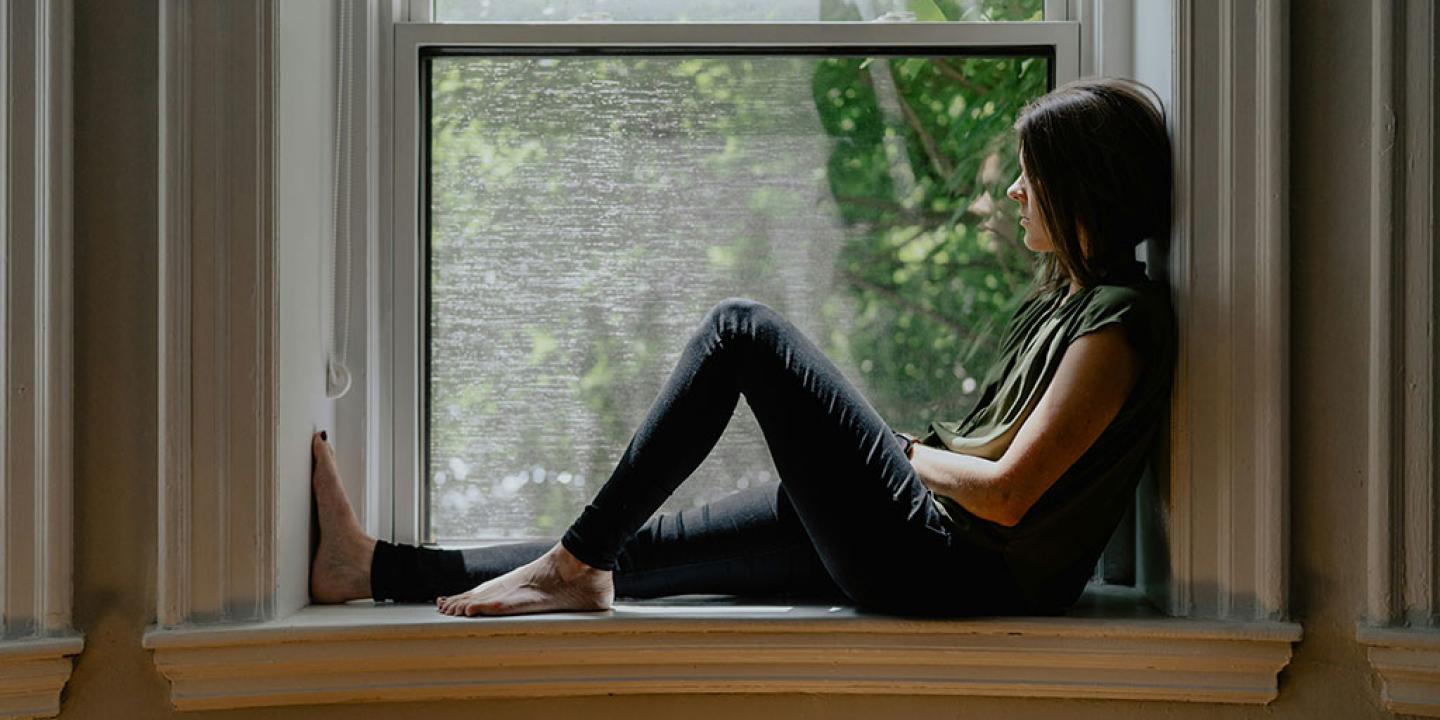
932	151
945	69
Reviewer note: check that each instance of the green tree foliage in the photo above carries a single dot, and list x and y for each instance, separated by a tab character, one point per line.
923	153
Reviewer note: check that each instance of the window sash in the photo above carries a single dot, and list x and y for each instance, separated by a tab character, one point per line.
400	454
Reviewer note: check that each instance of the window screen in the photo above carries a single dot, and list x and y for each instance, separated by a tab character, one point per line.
585	211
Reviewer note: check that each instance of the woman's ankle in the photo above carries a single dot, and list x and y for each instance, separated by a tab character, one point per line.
570	566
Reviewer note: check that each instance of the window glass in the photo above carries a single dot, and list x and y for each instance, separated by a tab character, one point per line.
585	212
734	10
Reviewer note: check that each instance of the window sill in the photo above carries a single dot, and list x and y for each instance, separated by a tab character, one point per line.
1112	646
1408	662
32	674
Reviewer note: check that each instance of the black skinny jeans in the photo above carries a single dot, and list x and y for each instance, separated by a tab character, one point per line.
849	518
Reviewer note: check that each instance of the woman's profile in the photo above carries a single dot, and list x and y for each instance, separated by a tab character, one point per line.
1002	512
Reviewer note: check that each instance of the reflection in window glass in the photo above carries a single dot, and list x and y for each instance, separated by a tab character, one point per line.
586	212
734	10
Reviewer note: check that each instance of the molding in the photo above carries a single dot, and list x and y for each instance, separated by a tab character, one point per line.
1107	38
1402	499
1408	662
1400	631
381	653
1227	506
36	308
1384	305
218	322
1403	508
32	675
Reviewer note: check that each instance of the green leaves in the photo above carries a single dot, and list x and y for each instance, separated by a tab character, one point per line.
938	270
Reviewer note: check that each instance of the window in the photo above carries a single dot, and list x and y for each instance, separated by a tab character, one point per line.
583	212
1220	536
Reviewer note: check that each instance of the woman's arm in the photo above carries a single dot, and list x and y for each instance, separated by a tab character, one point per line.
1095	376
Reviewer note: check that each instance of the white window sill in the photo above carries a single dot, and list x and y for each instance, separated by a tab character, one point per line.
32	674
1408	661
1112	646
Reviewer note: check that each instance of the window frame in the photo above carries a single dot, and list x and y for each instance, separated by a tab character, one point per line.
400	484
1221	515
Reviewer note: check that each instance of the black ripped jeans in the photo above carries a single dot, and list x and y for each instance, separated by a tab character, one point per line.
848	520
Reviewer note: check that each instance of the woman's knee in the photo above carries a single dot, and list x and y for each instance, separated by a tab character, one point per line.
742	317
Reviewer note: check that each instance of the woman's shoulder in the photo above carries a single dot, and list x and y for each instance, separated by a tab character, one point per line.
1131	287
1141	304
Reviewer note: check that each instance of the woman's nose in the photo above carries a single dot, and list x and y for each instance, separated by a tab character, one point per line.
1015	192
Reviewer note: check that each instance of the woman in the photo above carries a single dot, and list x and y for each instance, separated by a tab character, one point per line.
1003	512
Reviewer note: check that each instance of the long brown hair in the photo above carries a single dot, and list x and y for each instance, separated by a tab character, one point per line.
1097	155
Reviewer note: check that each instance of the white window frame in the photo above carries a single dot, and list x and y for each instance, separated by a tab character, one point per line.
1221	513
400	459
36	637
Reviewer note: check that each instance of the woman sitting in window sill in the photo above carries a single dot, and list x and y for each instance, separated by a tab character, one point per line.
1003	512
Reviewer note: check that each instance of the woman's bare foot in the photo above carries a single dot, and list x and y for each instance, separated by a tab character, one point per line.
340	570
554	582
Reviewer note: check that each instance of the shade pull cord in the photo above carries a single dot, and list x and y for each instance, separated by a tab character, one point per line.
337	375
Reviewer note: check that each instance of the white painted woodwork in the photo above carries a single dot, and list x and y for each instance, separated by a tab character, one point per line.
36	639
1223	494
1400	628
218	324
374	653
1408	661
359	429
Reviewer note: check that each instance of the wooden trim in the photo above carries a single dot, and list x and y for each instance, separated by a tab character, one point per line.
1408	663
1178	492
4	307
381	653
1228	261
32	675
174	321
218	319
1272	329
1402	498
1402	509
36	405
1383	307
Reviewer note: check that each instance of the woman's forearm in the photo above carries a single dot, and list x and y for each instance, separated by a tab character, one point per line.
976	483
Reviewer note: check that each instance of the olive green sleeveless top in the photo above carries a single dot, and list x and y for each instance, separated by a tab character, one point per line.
1052	552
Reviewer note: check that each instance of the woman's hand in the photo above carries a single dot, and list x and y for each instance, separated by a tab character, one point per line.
910	440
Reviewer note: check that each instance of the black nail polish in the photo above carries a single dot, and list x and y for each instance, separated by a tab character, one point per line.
323	436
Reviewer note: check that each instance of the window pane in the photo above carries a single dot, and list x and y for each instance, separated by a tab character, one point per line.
733	10
586	212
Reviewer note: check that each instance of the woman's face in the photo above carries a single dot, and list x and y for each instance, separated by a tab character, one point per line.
1035	236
